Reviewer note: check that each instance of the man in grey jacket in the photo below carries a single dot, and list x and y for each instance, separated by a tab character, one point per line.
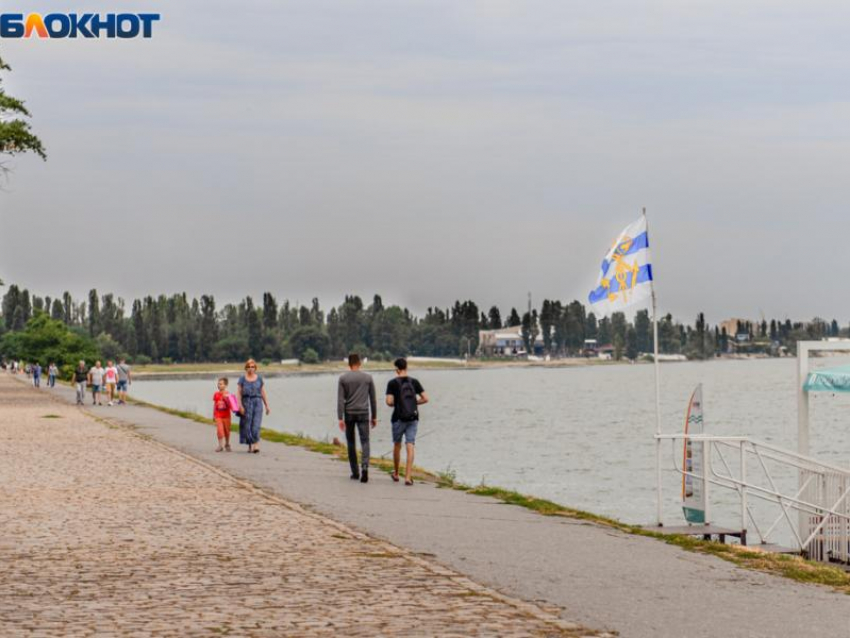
356	403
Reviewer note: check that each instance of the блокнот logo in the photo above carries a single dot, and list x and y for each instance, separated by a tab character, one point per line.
77	25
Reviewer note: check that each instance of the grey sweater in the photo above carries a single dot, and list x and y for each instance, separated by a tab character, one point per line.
356	395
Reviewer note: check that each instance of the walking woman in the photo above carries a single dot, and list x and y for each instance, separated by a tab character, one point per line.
252	400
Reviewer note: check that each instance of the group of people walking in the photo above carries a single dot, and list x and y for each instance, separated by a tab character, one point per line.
357	406
249	403
112	381
357	413
34	371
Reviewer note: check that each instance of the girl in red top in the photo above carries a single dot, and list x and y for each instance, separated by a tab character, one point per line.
221	414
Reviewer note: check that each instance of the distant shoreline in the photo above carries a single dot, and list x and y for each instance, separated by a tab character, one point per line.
154	372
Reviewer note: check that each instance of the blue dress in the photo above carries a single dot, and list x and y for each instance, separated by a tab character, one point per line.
252	417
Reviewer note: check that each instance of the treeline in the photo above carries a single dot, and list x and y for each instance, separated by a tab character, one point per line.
177	328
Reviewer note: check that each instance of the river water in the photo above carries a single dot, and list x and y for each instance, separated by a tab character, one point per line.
580	436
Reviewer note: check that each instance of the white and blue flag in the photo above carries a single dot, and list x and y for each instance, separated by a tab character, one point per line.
626	276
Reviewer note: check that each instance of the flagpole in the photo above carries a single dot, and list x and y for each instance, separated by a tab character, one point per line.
657	364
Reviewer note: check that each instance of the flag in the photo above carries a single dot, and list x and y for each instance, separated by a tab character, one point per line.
626	276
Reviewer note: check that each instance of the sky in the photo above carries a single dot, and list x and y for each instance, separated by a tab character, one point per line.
437	150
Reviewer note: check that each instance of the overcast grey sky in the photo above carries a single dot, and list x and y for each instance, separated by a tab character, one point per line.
433	150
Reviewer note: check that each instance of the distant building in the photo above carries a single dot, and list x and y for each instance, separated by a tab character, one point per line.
731	327
505	342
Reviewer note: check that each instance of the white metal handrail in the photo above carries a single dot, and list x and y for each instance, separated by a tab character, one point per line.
822	500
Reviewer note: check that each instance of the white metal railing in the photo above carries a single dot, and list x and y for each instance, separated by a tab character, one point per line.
821	502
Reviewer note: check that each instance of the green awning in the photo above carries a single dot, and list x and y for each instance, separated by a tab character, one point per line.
828	380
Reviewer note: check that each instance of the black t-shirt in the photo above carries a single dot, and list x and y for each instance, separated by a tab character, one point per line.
394	388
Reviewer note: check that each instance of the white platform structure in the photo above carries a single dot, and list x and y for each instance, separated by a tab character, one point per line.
828	531
816	515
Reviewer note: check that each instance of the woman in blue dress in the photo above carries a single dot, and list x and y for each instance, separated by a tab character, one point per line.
252	400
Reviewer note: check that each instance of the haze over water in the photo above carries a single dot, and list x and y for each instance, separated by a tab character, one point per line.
580	436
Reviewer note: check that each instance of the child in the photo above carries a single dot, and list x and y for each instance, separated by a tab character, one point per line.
221	414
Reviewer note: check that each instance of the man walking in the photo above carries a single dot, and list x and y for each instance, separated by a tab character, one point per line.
81	376
96	382
123	381
36	375
404	395
355	403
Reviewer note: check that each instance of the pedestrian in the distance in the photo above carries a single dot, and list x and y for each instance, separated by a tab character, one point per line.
221	415
36	375
404	395
355	403
52	373
81	377
124	380
96	382
252	400
110	376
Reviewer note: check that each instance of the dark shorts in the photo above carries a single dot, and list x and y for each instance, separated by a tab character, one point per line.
406	429
122	385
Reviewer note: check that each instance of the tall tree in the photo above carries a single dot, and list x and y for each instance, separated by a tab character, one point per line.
94	313
494	318
56	310
513	319
643	331
269	311
547	324
67	308
530	330
209	327
254	328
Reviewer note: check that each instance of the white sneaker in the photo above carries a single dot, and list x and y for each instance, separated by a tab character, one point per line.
110	403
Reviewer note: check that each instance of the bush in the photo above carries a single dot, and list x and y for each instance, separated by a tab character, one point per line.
44	340
265	362
310	356
141	360
167	361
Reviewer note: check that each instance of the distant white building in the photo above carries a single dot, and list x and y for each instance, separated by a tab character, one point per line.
505	342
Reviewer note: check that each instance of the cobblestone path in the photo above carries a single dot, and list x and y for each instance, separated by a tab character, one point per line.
105	533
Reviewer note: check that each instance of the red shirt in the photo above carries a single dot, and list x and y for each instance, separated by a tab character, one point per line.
221	408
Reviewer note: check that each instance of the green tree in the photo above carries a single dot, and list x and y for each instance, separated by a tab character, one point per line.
309	338
547	324
94	314
209	327
254	328
16	136
269	311
494	318
643	331
44	339
631	347
513	319
530	330
56	311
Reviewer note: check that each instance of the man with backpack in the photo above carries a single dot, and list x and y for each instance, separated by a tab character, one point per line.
404	395
355	402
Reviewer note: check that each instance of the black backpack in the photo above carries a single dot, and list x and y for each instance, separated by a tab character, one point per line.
408	410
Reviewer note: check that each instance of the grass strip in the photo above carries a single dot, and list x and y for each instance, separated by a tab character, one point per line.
794	567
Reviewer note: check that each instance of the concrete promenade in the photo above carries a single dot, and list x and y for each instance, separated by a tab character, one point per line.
104	532
598	577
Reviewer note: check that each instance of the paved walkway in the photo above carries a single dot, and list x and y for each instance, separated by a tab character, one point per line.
104	532
599	577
